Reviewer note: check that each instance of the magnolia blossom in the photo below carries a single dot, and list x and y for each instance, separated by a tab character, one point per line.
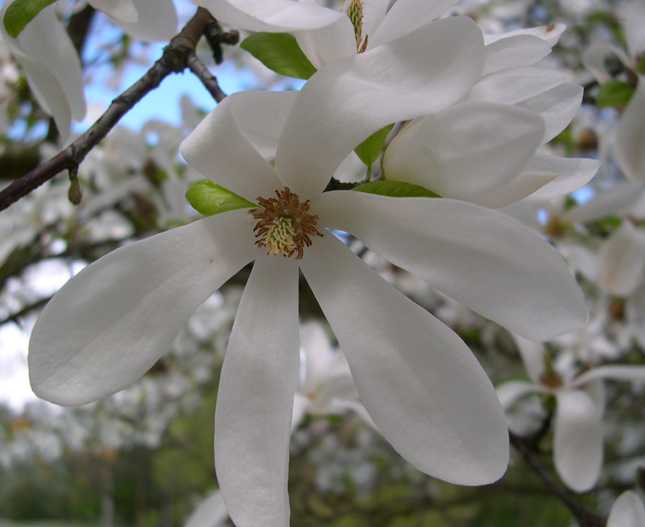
421	385
481	150
50	61
580	405
627	511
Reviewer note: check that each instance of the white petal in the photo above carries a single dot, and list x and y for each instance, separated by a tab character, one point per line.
374	12
571	174
510	391
255	397
630	136
219	150
300	405
479	257
522	186
407	15
465	150
628	511
622	260
328	44
345	102
111	322
594	59
577	442
419	382
121	10
211	512
513	52
632	20
157	21
619	373
609	202
532	354
271	15
550	34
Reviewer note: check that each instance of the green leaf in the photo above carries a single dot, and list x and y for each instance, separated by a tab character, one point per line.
279	52
21	12
396	189
614	93
369	149
208	198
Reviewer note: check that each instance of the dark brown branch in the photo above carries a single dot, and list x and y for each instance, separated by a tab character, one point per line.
584	517
78	27
208	79
174	59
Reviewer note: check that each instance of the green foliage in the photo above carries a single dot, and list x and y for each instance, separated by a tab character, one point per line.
396	189
614	93
21	12
209	198
369	149
279	52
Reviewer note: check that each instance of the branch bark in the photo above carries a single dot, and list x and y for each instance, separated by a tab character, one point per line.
174	59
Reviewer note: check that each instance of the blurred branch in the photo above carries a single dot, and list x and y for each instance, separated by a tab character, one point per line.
79	25
584	517
173	60
208	79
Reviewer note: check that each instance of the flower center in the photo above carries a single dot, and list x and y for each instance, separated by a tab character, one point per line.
283	225
355	13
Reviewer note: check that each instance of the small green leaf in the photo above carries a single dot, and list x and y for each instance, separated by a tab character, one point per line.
614	93
209	198
369	149
279	52
21	12
396	189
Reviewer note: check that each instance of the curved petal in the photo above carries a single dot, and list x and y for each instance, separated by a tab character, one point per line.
422	386
405	16
122	10
484	259
522	186
255	397
609	202
550	34
211	512
621	260
532	354
219	150
271	15
157	21
628	511
632	20
594	59
328	44
618	373
465	150
630	136
570	174
513	52
111	322
510	391
577	441
345	102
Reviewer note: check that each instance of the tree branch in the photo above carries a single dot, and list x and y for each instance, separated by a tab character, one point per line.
584	517
174	59
208	79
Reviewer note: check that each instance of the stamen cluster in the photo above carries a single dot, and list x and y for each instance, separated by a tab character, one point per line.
283	224
355	13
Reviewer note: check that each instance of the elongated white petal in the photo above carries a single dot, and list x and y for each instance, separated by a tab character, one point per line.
550	34
632	20
594	59
513	52
121	10
609	202
51	66
577	442
622	260
511	391
419	382
407	15
532	354
484	259
255	397
219	150
157	21
345	102
111	322
271	15
630	136
465	150
571	174
328	44
211	512
522	186
374	12
628	511
618	373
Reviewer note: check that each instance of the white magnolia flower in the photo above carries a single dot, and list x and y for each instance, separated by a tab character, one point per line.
627	511
50	62
580	405
424	389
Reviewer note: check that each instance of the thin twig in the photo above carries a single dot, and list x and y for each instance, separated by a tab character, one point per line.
584	517
208	79
173	60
